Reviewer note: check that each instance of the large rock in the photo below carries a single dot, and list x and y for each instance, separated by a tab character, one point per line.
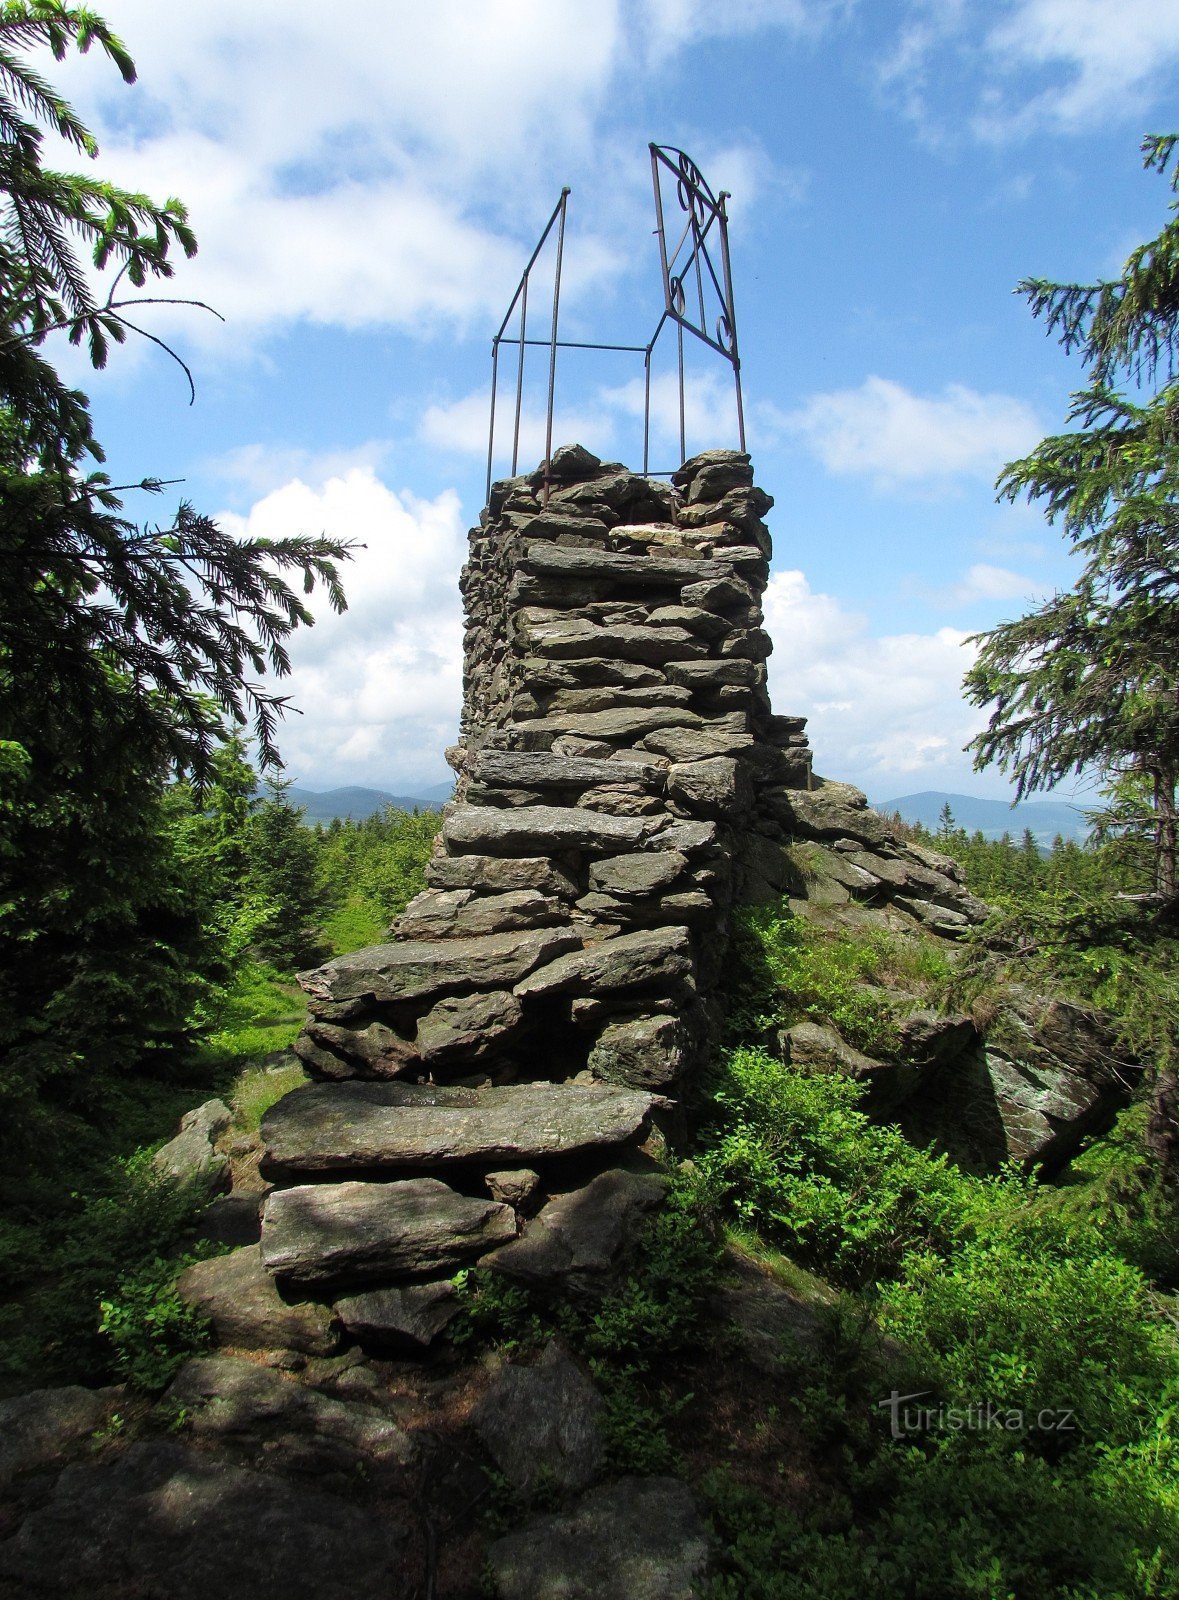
241	1300
618	722
165	1520
564	638
543	1424
334	1127
360	1232
416	969
469	1027
532	830
767	1316
637	876
656	570
838	811
815	1048
225	1397
579	1242
637	1539
697	744
655	958
408	1317
647	1052
373	1050
37	1427
492	874
191	1157
715	787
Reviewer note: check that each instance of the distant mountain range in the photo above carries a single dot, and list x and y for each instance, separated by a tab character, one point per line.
992	818
360	803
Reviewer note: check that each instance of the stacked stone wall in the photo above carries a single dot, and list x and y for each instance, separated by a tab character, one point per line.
622	782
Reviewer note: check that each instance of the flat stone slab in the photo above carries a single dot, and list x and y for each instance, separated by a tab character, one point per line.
496	873
537	770
655	958
360	1232
242	1302
415	969
533	830
340	1127
637	1539
548	560
573	638
166	1519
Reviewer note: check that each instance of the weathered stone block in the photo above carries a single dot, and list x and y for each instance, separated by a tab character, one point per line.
240	1299
339	1127
655	958
324	1233
532	830
468	1027
647	1052
416	969
637	875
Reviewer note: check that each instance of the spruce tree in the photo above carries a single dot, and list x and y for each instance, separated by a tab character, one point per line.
1090	679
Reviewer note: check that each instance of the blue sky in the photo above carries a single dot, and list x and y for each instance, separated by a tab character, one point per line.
366	189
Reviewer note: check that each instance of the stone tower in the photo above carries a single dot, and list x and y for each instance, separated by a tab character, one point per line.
514	1050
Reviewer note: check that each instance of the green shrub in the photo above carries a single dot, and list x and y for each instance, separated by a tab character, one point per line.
152	1330
794	1157
1025	1320
784	969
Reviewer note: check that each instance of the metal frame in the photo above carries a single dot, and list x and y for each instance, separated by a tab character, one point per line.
689	261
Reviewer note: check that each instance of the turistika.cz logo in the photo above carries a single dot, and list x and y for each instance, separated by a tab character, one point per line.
981	1416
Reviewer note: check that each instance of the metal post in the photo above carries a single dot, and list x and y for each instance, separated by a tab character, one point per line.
548	433
491	429
679	329
647	408
520	373
731	311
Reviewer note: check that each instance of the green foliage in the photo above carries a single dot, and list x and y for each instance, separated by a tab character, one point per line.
794	1157
783	969
1031	1320
152	1329
630	1336
258	1089
57	1267
282	861
1090	677
372	869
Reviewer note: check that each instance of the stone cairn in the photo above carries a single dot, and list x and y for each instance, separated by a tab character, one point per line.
494	1083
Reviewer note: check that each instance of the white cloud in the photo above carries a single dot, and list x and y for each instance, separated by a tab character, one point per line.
1025	65
1109	58
379	687
981	582
886	711
389	168
894	436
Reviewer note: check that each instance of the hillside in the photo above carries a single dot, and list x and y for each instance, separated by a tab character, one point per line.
991	818
358	803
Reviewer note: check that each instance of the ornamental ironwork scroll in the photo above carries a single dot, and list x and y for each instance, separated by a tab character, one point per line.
697	295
